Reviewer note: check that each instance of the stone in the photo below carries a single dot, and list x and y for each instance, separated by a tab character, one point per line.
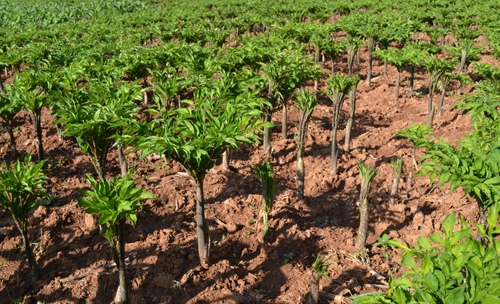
164	281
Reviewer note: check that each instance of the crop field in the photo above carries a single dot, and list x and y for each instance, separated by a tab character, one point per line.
249	152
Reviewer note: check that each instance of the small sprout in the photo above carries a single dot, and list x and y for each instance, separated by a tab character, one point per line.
288	257
177	285
251	222
321	266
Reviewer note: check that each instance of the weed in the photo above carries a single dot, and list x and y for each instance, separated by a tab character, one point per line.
288	257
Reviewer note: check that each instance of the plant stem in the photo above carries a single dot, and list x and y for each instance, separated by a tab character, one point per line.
269	116
363	219
59	132
335	123
398	80
370	43
29	253
122	160
304	120
367	176
463	61
202	229
226	158
119	252
397	165
412	77
313	296
36	117
13	148
265	221
350	120
431	116
284	120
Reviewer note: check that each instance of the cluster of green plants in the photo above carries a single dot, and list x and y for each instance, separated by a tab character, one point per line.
192	81
454	268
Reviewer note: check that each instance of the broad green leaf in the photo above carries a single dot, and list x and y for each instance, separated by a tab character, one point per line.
448	224
455	296
431	281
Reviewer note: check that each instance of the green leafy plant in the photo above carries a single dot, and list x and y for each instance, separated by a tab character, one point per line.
350	119
435	68
264	172
115	202
456	268
416	134
9	107
305	102
338	86
367	175
198	134
30	89
21	190
473	164
319	270
97	116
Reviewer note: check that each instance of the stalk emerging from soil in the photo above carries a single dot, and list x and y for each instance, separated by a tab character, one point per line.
21	188
306	102
337	88
226	159
397	165
264	172
367	175
350	120
115	202
320	270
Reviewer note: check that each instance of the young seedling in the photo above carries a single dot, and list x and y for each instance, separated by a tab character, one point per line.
338	86
367	175
397	165
319	270
115	202
21	190
306	102
264	172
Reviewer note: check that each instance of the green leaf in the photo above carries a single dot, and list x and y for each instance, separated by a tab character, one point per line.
455	296
424	243
490	299
431	281
449	224
438	239
409	262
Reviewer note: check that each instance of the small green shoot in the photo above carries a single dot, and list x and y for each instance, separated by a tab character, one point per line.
288	257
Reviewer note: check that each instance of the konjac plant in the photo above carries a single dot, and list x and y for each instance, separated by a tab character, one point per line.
454	268
338	86
115	202
306	102
367	175
21	190
199	133
264	172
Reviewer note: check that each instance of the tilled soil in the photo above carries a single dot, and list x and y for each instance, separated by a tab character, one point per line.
163	265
